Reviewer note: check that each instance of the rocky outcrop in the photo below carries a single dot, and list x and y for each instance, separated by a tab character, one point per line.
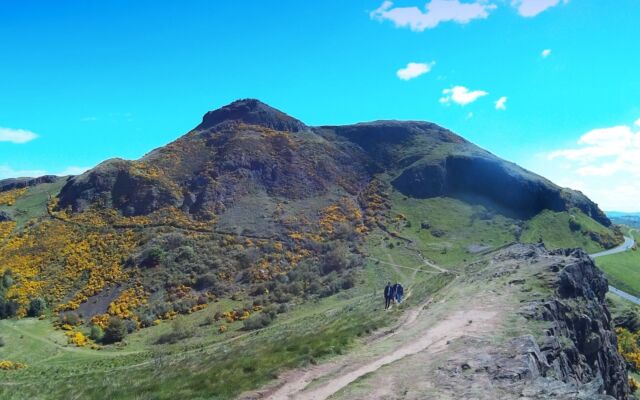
4	216
118	184
252	112
486	179
580	346
20	183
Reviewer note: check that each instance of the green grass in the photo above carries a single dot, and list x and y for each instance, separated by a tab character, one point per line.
208	365
622	270
462	225
555	231
33	203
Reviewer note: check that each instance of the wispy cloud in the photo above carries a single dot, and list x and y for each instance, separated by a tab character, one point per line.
604	152
531	8
501	104
88	119
637	123
7	171
461	95
17	136
436	12
414	70
545	53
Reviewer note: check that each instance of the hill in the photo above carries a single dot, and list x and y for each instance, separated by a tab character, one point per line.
254	221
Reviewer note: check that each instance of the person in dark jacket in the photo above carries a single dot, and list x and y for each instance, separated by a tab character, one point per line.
399	292
388	295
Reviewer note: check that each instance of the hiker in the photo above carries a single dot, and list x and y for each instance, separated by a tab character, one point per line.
388	295
399	290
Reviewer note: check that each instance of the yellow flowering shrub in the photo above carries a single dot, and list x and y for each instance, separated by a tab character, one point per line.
7	365
633	384
6	228
77	338
9	197
628	346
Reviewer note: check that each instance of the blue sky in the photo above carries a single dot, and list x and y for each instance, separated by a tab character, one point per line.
83	81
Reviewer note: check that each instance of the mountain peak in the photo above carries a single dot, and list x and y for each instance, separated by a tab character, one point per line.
252	111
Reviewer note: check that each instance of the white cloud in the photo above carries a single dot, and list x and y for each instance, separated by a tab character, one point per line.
545	53
436	11
604	152
414	70
501	104
531	8
16	135
604	164
637	123
7	171
461	95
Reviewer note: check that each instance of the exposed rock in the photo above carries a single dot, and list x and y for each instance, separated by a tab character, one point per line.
485	179
4	216
251	111
581	347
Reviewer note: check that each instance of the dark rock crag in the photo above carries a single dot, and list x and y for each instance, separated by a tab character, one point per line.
577	357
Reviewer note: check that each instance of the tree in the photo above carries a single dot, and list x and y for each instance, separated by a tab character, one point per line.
36	307
116	331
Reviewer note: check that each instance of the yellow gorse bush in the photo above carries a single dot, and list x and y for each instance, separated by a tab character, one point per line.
6	365
9	197
628	346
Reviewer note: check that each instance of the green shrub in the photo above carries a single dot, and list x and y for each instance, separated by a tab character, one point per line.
96	333
70	318
37	307
152	257
180	330
257	322
116	331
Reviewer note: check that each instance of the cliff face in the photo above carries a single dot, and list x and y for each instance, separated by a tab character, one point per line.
579	347
481	178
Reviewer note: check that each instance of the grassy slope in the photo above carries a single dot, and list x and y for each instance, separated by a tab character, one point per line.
464	225
220	365
223	365
33	203
623	269
554	229
456	220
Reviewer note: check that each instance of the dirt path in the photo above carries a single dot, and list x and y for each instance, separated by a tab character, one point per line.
440	270
432	340
418	332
